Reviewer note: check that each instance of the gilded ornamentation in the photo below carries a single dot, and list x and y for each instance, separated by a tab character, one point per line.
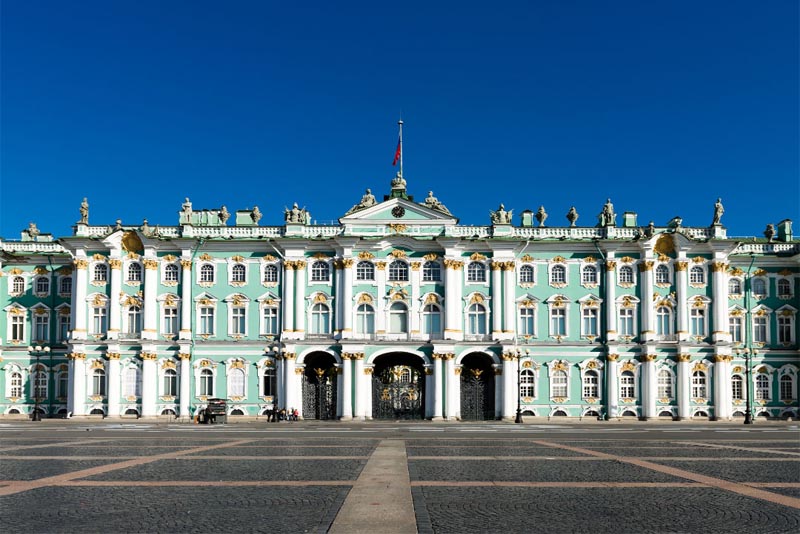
432	298
648	357
115	263
664	245
457	371
99	300
527	258
368	371
168	364
508	265
97	364
364	255
299	371
560	366
698	260
237	364
184	356
627	259
380	265
397	228
365	298
558	259
205	256
718	267
112	355
149	355
559	400
397	253
612	357
628	366
131	242
132	255
627	302
496	265
320	298
79	264
347	263
415	265
646	266
477	256
299	265
611	265
683	357
476	299
289	355
453	264
431	257
186	264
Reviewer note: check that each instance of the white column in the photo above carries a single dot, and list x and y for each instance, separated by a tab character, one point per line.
437	387
453	291
453	403
610	304
149	383
611	384
150	305
429	385
722	387
498	391
346	299
77	381
719	303
681	294
300	300
649	386
292	382
648	323
347	387
509	299
509	388
115	311
497	299
416	305
186	300
185	378
362	387
280	379
80	278
684	387
114	384
288	297
380	306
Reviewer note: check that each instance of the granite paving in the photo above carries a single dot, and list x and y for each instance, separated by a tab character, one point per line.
33	469
761	471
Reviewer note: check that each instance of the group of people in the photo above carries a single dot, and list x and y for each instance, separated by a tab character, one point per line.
274	415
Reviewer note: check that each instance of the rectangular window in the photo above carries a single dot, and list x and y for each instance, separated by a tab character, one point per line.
664	385
99	320
63	327
270	321
784	329
170	327
735	327
590	321
760	329
626	322
558	322
697	324
526	324
17	328
559	384
206	320
238	321
41	327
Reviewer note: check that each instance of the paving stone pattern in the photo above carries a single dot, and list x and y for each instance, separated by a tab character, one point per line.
501	450
762	471
33	469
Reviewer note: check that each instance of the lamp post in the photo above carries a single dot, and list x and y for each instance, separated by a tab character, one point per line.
276	347
37	351
748	373
518	418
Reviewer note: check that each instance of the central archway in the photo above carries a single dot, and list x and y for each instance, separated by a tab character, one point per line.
477	388
319	386
398	387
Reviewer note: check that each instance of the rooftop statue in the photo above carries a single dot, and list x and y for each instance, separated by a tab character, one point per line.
84	209
367	201
718	211
398	182
433	203
769	233
224	215
607	217
186	211
145	228
541	216
297	215
572	216
255	215
501	216
650	230
32	230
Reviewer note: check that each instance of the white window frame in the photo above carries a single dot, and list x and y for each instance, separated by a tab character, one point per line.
270	274
756	316
698	321
231	372
131	387
699	390
171	376
14	384
235	313
429	268
206	273
318	268
134	272
16	286
397	271
526	275
662	269
129	313
98	387
526	314
552	377
365	271
760	280
625	387
36	326
237	274
200	372
552	305
627	268
98	268
665	391
476	273
314	319
670	321
736	325
166	269
590	389
425	313
392	311
783	288
41	279
39	382
528	387
200	307
738	290
558	275
698	277
737	387
589	313
476	310
588	280
65	280
364	313
785	324
762	393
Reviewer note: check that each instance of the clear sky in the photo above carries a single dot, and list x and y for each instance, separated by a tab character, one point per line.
662	106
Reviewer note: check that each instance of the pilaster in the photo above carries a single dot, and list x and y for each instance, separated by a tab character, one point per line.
115	311
611	382
347	387
681	296
149	383
114	384
185	388
150	292
79	301
300	276
186	300
684	386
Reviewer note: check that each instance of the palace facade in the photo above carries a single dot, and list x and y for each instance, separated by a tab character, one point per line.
400	312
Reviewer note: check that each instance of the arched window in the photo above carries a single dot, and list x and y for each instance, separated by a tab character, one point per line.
699	385
17	285
268	382
625	274
236	387
697	275
626	385
100	273
737	387
762	387
398	271
759	286
131	384
558	387
398	318
784	288
589	275
15	385
206	384
320	272
664	384
476	272
663	321
591	384
42	285
270	274
431	271
134	320
207	273
365	319
65	285
786	388
170	383
365	270
170	272
662	274
99	382
320	318
527	383
527	322
238	273
558	274
476	320
134	272
526	274
431	321
734	287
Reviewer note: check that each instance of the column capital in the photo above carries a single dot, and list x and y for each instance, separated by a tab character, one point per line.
149	356
719	267
683	357
648	357
150	264
76	356
612	357
185	355
81	264
112	355
681	265
115	263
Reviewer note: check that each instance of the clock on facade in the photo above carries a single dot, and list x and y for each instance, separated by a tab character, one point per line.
398	211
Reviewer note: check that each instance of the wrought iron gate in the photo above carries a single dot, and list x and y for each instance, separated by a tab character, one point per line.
397	393
319	394
477	395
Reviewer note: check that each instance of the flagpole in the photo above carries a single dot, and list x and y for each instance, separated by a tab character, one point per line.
400	122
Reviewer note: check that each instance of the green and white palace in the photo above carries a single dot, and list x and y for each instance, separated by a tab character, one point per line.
399	312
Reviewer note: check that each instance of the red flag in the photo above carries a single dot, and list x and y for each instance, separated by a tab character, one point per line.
398	151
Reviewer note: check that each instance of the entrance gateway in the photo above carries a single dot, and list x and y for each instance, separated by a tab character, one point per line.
319	387
398	387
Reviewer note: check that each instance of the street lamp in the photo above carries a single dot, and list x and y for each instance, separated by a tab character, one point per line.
276	348
748	354
518	354
37	351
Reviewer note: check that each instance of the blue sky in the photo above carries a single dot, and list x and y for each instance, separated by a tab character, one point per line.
661	106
